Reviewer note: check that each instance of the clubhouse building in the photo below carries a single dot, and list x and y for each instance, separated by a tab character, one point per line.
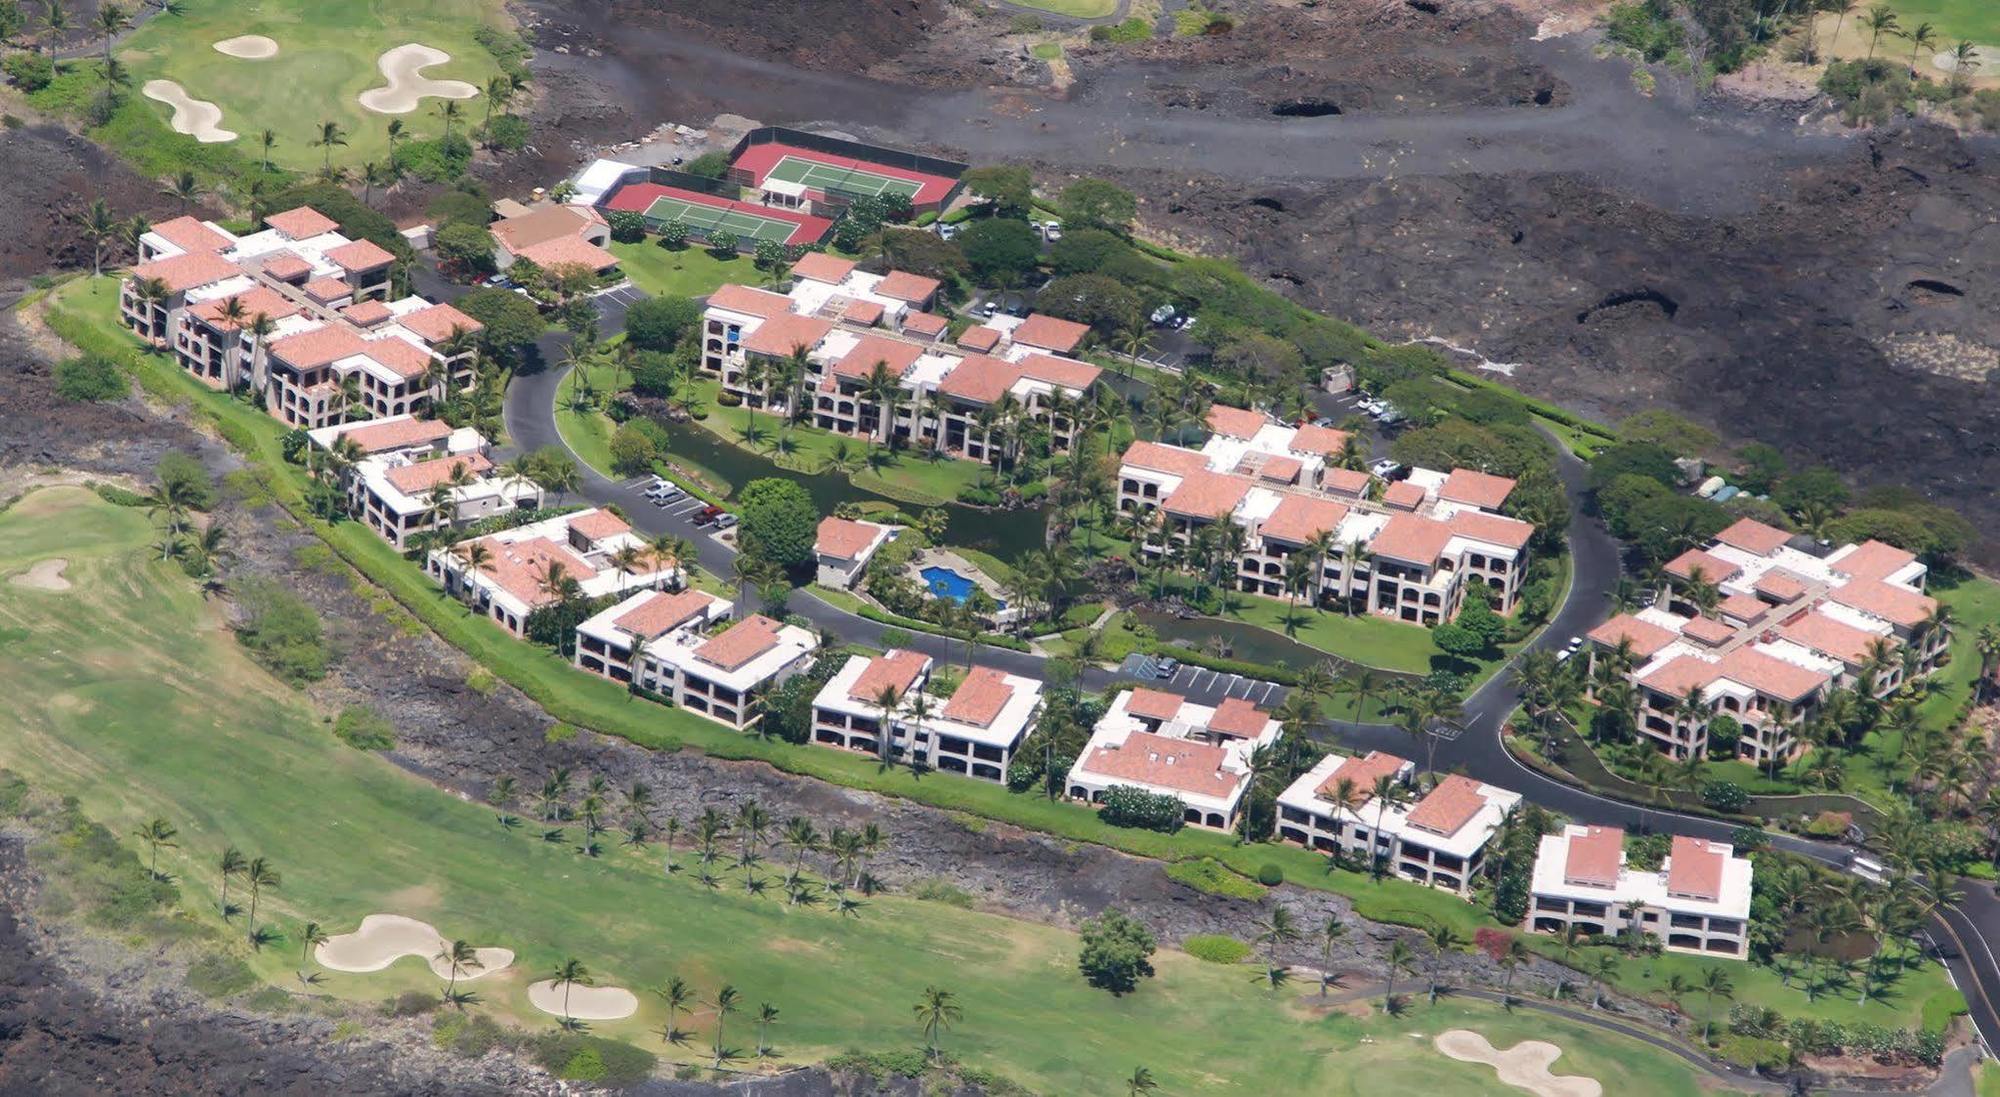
406	476
685	647
1438	838
1761	626
974	731
1697	901
1162	743
510	574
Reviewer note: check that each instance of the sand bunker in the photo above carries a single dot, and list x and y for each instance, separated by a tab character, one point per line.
585	1003
403	68
384	939
198	118
1526	1064
248	47
45	575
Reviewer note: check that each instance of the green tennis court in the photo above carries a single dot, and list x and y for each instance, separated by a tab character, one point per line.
825	177
709	220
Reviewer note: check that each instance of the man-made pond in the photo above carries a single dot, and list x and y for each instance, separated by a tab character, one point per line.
1008	534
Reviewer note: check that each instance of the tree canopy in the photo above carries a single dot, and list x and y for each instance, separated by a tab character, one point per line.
780	522
1097	204
1000	250
1116	952
659	323
1008	187
512	321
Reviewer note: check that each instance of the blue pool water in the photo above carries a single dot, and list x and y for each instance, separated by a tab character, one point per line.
946	583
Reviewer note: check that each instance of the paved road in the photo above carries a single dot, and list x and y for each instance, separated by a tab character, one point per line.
1478	751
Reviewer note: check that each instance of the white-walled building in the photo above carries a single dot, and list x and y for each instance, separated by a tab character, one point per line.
1162	743
974	731
510	574
843	548
690	653
1439	838
1698	900
393	487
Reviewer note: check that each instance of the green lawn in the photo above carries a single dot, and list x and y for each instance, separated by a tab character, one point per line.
327	56
1975	20
586	433
132	695
1363	638
689	272
84	311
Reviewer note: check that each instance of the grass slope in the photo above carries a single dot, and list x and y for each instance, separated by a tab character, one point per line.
133	696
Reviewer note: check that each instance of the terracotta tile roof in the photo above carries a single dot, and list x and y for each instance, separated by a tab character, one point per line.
526	231
1154	704
1277	470
1494	529
1449	806
1647	638
1412	539
1744	607
1299	517
518	568
367	313
1159	458
1237	717
565	250
1206	495
894	670
407	359
1680	674
1594	857
1753	537
865	313
434	325
1830	637
324	290
859	363
1325	441
901	285
182	273
1897	605
979	337
747	639
1363	771
1709	631
302	223
256	299
927	324
1694	869
392	434
1475	488
1714	569
418	478
843	539
780	335
190	234
1049	333
1345	481
1235	422
285	266
359	256
597	525
980	379
1780	584
1770	675
1403	495
821	267
1066	372
1873	560
979	698
1154	760
661	613
317	347
750	302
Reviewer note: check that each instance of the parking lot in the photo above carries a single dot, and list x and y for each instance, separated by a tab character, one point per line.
624	294
675	503
1164	670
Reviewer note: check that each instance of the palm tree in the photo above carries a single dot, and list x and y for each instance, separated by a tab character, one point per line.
498	91
803	837
265	140
1141	1083
1329	935
678	996
1880	18
110	20
395	134
1923	37
155	834
99	226
1401	959
259	875
231	864
1603	966
183	188
450	112
1516	954
55	18
937	1011
767	1015
1386	790
1275	931
1443	939
1714	984
458	956
568	974
1964	59
330	136
727	1001
311	937
1841	9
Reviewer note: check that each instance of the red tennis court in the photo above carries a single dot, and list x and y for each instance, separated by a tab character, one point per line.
843	175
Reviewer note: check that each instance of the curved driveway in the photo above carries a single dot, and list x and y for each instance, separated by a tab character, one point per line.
1478	751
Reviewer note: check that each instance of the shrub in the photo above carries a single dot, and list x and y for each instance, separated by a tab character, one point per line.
29	71
363	728
179	472
465	249
219	975
934	890
1116	952
507	132
632	449
89	378
710	165
1754	1053
1125	806
281	632
1216	948
1209	875
627	227
729	399
438	160
1725	796
1270	875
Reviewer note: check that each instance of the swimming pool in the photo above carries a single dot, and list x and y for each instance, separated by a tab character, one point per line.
943	582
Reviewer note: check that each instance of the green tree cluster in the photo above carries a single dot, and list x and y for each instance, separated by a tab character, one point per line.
1116	952
779	522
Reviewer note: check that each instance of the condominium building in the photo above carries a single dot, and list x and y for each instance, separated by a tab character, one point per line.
844	547
510	574
1761	626
973	731
1162	743
1697	901
1410	555
297	312
690	652
842	339
1438	838
415	475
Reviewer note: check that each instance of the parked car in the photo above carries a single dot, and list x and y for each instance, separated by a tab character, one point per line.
1163	315
1052	231
1385	468
1166	668
707	514
945	231
989	308
724	521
